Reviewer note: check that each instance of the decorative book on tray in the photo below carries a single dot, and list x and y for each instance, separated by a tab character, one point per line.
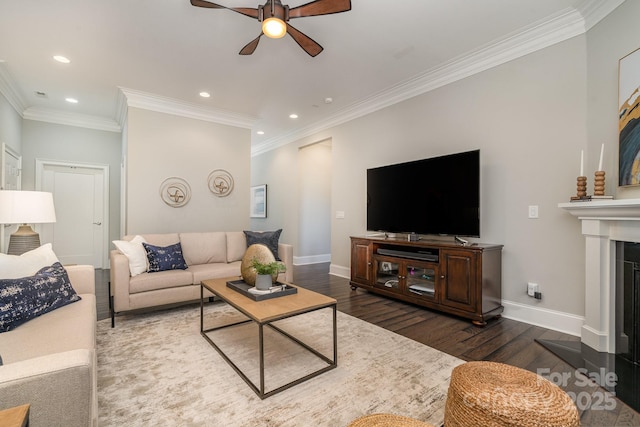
277	290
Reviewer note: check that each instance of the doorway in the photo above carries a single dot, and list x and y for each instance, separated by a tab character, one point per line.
81	199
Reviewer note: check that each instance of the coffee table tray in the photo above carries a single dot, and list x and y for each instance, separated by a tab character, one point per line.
243	287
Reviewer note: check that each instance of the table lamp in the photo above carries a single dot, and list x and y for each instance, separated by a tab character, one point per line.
25	207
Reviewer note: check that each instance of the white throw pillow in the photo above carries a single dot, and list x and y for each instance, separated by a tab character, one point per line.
135	253
27	264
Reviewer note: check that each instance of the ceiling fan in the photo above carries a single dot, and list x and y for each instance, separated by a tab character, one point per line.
275	20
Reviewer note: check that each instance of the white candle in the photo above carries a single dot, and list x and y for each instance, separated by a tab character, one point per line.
581	162
601	154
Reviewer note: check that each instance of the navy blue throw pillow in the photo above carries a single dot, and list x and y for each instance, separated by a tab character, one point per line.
29	297
267	238
165	258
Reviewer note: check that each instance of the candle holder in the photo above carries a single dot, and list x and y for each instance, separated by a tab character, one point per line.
598	184
581	193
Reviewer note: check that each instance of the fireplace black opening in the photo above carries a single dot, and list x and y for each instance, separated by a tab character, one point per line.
627	307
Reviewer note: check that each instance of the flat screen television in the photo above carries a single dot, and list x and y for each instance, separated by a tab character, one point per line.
434	196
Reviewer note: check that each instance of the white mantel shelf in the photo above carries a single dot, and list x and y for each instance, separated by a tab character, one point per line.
611	210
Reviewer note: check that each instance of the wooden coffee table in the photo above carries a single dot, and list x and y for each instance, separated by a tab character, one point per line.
264	313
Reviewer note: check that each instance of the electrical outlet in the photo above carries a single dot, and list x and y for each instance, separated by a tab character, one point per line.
532	288
533	211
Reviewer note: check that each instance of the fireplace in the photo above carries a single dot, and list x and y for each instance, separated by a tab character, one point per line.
610	335
605	223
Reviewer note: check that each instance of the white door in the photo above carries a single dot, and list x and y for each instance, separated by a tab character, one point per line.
80	196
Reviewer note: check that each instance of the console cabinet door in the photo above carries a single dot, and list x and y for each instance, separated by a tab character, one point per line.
361	254
458	274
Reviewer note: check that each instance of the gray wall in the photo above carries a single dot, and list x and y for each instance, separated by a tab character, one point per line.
41	140
161	146
528	117
611	39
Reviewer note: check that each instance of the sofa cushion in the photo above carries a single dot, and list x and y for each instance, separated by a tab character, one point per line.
27	264
160	280
162	239
162	258
236	245
267	238
26	298
204	248
68	328
214	271
135	253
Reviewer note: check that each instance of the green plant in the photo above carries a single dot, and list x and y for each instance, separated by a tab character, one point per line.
272	268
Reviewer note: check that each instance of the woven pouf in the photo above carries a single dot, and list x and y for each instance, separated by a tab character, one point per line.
387	420
495	394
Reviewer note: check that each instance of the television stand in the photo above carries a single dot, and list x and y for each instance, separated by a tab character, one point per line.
462	280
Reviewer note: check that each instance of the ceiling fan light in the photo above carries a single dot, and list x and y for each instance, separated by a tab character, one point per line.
274	28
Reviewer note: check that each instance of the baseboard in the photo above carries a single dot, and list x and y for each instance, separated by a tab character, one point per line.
340	271
312	259
550	319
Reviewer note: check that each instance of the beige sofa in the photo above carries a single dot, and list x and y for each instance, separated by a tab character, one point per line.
208	255
50	361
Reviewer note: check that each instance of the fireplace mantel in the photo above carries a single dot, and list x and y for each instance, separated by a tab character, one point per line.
603	223
612	210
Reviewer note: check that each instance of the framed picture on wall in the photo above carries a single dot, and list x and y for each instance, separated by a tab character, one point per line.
629	119
258	202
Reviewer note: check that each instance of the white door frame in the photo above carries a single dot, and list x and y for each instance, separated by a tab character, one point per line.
8	152
40	165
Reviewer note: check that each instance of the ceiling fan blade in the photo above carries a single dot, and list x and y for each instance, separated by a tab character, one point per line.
207	4
251	46
247	11
320	7
305	42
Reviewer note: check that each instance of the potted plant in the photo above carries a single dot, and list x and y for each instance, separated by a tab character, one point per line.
267	273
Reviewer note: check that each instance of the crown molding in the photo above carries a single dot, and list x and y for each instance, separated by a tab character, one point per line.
558	28
594	11
161	104
10	90
71	119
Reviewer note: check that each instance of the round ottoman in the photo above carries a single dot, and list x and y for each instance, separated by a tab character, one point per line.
387	420
495	394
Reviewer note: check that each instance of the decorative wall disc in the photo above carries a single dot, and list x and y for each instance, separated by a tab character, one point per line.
220	182
175	192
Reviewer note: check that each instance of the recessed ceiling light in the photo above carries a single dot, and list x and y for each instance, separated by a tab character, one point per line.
62	59
293	116
205	94
71	100
260	132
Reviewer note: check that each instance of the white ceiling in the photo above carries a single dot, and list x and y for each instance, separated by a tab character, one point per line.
161	53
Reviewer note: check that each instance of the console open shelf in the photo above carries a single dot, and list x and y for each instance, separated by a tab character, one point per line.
462	280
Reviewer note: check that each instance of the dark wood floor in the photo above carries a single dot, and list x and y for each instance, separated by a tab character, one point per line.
502	340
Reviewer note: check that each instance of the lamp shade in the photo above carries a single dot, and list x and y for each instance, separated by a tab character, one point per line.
26	207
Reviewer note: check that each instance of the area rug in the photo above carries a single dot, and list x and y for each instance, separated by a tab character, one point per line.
155	369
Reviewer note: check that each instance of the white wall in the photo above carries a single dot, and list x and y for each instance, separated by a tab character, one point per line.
528	117
42	140
10	125
11	134
161	146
